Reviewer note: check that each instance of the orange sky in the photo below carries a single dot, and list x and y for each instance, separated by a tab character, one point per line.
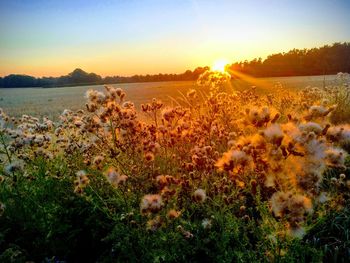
52	38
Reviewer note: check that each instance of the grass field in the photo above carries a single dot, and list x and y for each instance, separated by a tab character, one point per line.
52	101
255	176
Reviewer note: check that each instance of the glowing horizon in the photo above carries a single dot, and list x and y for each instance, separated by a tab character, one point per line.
48	38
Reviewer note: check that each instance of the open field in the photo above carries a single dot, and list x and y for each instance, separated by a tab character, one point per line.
255	176
52	101
175	131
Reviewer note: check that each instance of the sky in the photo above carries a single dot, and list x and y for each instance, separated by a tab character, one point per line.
126	37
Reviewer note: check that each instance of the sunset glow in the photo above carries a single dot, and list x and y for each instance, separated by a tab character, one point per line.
174	131
220	64
151	37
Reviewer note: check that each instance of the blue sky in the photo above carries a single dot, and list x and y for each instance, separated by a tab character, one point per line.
136	37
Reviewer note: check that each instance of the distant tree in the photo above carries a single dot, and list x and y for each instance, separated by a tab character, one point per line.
316	61
14	80
79	76
47	81
329	59
198	71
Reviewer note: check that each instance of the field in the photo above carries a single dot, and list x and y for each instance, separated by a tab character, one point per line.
52	101
206	171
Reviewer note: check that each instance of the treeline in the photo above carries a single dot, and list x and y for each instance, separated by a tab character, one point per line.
329	59
80	77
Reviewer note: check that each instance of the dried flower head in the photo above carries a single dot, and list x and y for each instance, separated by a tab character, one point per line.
151	203
199	195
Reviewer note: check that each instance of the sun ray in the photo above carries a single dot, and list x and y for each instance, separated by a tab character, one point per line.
220	65
261	84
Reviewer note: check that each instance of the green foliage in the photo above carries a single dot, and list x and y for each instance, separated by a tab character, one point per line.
13	254
342	99
331	235
44	218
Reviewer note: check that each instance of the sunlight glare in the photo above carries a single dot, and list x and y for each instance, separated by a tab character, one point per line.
220	65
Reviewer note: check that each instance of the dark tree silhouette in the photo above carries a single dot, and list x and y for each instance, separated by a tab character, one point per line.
80	77
300	62
14	80
329	59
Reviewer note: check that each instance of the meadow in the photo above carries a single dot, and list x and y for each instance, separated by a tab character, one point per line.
51	102
207	171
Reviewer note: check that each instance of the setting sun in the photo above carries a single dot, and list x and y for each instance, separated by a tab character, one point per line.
220	65
175	131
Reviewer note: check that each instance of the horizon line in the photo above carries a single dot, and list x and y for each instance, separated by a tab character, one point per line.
180	72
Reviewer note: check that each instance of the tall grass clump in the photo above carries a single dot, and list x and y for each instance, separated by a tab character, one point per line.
225	176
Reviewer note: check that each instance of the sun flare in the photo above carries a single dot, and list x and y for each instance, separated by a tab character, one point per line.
220	65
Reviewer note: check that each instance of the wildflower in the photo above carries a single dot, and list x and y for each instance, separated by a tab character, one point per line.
119	91
95	96
335	157
310	180
78	123
98	160
339	133
291	206
145	108
81	181
199	195
234	159
172	214
340	75
39	139
151	203
322	198
334	180
122	179
311	127
149	156
206	223
164	180
166	192
122	96
114	177
240	183
318	111
65	112
128	105
168	114
13	167
286	155
231	144
154	224
274	134
246	218
258	117
156	104
186	234
58	131
342	176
